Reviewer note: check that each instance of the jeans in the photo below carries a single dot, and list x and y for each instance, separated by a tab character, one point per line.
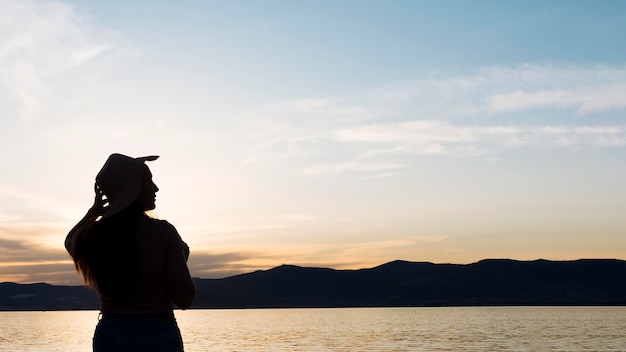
137	334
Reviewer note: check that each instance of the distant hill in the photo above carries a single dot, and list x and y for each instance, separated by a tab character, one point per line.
46	297
493	282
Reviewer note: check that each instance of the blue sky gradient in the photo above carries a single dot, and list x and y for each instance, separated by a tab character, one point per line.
340	134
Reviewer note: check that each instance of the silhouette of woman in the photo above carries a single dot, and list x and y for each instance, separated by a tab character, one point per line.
138	265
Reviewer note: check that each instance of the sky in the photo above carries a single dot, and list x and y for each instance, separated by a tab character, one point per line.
340	134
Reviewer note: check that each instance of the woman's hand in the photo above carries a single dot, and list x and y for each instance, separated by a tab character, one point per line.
97	209
186	251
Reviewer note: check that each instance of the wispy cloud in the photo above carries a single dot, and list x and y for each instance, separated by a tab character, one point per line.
585	89
40	41
466	115
223	264
250	223
362	254
583	100
12	194
349	167
27	261
494	90
441	137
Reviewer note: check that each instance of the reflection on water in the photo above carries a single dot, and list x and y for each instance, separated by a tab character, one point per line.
354	329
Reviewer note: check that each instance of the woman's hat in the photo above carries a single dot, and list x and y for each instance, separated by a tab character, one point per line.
121	179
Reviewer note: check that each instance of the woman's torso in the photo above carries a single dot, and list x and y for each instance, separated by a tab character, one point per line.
150	294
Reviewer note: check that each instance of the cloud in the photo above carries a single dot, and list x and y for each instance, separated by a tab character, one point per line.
413	131
11	196
9	217
586	89
483	113
583	100
253	223
350	167
297	128
52	273
28	261
491	91
442	137
382	175
18	250
465	115
12	245
357	254
216	265
42	40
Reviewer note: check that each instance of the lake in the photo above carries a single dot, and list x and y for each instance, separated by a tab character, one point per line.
347	329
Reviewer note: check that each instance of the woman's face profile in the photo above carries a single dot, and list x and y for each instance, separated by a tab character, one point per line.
147	195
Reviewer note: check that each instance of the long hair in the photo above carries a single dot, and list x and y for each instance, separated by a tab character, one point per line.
106	253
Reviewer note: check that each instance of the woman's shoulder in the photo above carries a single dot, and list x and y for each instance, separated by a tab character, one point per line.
161	223
162	227
168	235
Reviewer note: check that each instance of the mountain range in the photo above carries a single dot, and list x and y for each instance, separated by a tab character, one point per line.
490	282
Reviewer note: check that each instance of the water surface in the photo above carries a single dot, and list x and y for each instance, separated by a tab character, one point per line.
349	329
